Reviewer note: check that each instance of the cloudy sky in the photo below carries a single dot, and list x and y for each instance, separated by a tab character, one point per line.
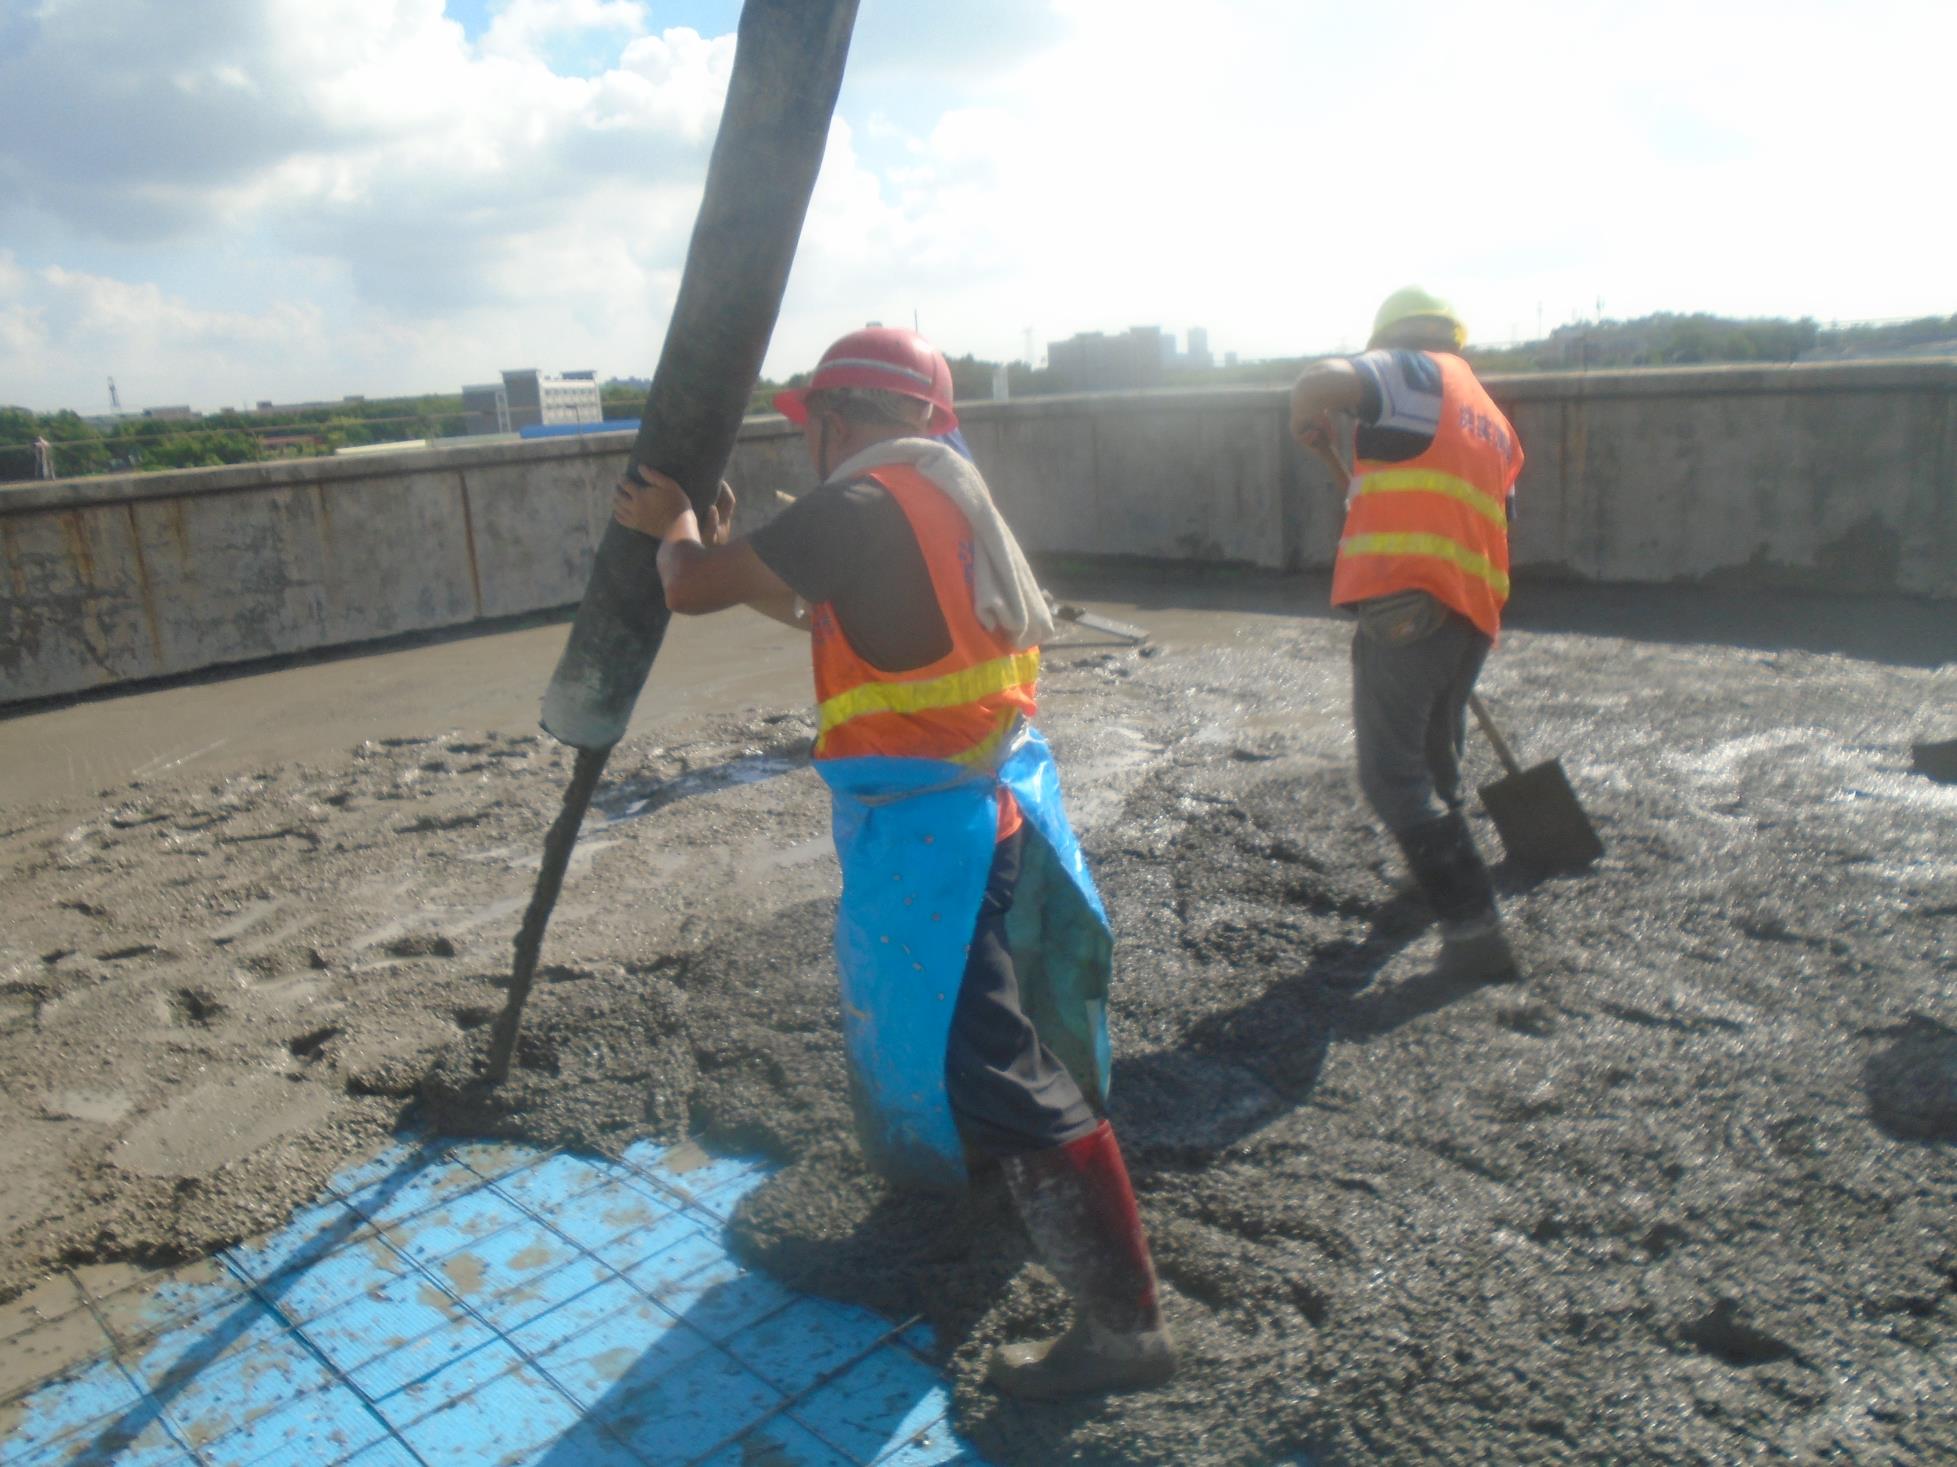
217	201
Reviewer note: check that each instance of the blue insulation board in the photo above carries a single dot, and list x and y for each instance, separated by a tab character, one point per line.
473	1303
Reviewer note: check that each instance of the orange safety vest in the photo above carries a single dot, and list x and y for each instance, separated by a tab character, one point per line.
1437	522
960	707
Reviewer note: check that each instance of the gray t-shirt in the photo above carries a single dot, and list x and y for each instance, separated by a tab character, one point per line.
852	545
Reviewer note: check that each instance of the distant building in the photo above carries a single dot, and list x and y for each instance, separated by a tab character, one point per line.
176	414
290	443
486	409
266	407
1199	349
535	397
1094	362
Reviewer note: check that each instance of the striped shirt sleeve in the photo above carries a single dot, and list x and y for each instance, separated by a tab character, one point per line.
1403	391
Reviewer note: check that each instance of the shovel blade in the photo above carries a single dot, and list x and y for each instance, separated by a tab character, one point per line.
1937	760
1541	822
1081	616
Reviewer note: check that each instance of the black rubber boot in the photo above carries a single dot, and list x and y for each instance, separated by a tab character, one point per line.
1080	1212
1442	856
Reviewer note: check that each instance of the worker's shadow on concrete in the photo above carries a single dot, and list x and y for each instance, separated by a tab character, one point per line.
173	1366
738	1370
1515	878
953	1254
1234	1072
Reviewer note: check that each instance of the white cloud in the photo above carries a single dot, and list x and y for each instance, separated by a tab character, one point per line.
1274	170
260	190
23	331
96	306
153	340
526	28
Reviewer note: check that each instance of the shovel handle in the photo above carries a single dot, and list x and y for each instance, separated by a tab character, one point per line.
1502	750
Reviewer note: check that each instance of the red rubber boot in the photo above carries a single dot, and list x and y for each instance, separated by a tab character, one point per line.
1080	1212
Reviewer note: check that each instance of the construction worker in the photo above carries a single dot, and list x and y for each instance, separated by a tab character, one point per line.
1429	477
925	624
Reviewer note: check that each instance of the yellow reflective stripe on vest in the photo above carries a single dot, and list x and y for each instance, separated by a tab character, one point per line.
953	690
1438	546
986	747
1433	481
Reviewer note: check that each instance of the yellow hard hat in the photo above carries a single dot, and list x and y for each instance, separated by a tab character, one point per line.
1411	302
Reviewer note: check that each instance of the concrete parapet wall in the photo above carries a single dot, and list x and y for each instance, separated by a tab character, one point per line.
1831	478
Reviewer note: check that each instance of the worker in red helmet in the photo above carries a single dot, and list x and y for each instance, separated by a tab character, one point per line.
967	908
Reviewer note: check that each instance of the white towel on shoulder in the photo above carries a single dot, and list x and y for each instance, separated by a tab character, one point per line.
1005	594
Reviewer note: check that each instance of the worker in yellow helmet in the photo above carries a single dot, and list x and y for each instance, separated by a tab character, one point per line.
1429	478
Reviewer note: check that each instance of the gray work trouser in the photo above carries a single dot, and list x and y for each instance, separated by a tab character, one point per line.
1009	1093
1414	663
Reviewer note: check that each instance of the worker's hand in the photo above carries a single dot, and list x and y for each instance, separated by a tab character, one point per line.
718	527
1319	433
1312	430
647	501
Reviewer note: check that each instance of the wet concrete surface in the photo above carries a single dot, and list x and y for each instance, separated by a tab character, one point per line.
227	723
1683	1194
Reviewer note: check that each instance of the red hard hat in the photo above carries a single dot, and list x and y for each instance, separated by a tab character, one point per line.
888	358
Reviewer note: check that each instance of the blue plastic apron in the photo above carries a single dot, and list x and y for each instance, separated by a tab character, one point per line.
915	838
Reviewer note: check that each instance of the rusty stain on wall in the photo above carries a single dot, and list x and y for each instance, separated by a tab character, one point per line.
180	530
151	622
323	524
75	533
16	572
469	537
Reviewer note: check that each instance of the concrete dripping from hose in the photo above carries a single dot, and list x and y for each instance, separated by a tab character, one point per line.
558	845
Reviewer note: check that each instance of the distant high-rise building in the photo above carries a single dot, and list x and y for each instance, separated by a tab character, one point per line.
551	397
1199	348
1094	362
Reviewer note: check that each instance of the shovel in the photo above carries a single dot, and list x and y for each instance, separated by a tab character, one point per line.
1536	811
1936	760
1080	616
